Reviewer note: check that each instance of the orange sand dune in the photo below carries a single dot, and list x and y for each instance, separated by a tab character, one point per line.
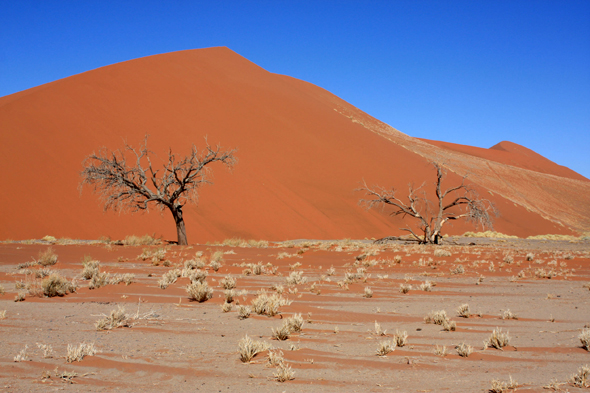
302	153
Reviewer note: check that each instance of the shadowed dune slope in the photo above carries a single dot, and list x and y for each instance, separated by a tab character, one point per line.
302	153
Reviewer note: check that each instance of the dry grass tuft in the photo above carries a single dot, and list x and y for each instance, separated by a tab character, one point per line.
368	292
47	258
378	331
56	285
295	323
464	350
20	297
244	312
47	350
275	358
399	338
268	305
76	354
439	252
498	339
440	351
22	355
585	339
501	386
507	314
145	240
199	291
458	270
228	282
2	314
284	373
463	311
385	347
582	378
117	318
296	278
282	333
248	348
169	277
405	288
90	269
426	286
226	307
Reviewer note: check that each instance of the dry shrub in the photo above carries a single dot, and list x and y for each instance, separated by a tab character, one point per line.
295	323
244	312
585	339
198	276
145	240
20	297
275	358
507	314
47	257
426	286
76	354
405	288
296	278
464	350
368	292
47	350
436	317
199	291
282	333
248	348
458	270
226	307
228	282
2	291
440	351
22	355
100	279
90	269
439	252
463	311
582	378
169	277
501	386
117	318
385	347
2	314
498	339
284	373
229	295
399	338
56	285
378	331
268	305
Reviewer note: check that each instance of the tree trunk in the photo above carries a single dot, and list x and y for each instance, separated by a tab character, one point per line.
180	229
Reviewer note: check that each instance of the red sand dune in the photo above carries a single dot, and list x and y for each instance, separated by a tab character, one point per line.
302	153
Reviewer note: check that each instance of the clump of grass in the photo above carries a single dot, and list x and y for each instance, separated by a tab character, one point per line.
530	256
248	348
498	339
585	339
244	312
440	318
275	358
268	305
2	291
145	240
22	355
399	338
199	291
90	269
117	318
226	307
100	279
20	297
198	276
228	282
368	292
378	331
582	378
440	351
426	286
295	323
463	311
77	353
296	278
2	314
458	270
405	288
281	333
501	386
464	350
385	347
47	258
439	252
56	285
47	350
169	277
507	314
284	373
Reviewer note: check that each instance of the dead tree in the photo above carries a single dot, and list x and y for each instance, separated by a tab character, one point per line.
451	204
134	187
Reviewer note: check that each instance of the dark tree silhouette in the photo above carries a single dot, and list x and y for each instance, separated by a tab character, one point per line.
451	204
134	187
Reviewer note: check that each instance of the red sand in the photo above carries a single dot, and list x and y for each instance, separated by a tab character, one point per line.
302	153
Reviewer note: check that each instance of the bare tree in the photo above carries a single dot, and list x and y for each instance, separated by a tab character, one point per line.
133	187
452	204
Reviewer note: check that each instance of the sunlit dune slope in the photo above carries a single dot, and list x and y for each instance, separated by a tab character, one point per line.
302	153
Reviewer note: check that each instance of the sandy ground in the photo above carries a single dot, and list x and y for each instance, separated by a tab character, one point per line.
179	345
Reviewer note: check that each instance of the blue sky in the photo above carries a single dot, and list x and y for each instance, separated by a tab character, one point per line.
470	72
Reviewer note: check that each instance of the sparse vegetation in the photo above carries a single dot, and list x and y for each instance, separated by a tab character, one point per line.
582	378
501	386
385	347
47	350
440	351
56	285
464	350
284	373
22	355
507	314
399	338
199	291
77	353
585	339
47	258
248	348
498	339
117	318
405	288
463	311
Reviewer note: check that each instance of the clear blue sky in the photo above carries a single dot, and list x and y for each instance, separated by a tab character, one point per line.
470	72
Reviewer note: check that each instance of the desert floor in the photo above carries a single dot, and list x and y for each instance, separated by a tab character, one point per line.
175	344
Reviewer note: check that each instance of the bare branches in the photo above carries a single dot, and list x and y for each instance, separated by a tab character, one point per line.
133	187
465	204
